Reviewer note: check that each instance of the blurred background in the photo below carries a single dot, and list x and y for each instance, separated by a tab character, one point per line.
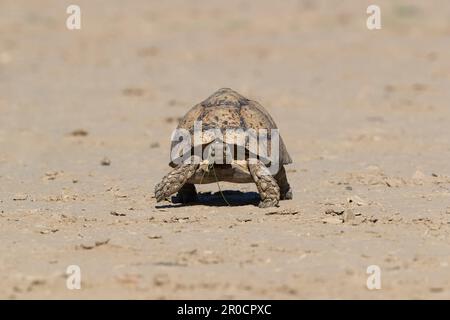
132	68
86	117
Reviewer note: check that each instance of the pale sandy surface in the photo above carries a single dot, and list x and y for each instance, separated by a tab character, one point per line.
365	115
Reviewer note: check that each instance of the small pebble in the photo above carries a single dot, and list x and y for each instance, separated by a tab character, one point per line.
335	211
79	133
20	197
105	162
117	214
356	200
284	212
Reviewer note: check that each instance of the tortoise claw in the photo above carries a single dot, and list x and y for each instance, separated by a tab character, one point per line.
268	203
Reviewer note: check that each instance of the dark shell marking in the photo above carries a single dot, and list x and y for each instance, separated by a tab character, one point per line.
227	109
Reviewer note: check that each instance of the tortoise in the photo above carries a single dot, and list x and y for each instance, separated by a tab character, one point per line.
226	110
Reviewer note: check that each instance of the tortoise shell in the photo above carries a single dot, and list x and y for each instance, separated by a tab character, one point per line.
224	110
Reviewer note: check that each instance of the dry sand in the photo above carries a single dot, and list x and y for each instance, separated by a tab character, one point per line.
364	114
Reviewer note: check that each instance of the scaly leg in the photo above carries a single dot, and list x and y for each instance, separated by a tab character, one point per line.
175	180
267	186
285	188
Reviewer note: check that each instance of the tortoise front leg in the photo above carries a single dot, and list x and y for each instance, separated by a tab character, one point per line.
267	186
175	180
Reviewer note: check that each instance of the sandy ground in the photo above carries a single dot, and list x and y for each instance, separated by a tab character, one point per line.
364	114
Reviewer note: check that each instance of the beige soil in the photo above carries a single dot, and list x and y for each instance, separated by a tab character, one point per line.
85	122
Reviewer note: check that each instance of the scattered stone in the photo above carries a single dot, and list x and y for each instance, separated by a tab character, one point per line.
51	175
172	119
394	182
283	212
105	162
119	194
335	211
373	219
154	145
161	279
243	219
101	242
176	219
356	200
79	133
20	197
154	237
436	289
47	231
117	214
89	246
